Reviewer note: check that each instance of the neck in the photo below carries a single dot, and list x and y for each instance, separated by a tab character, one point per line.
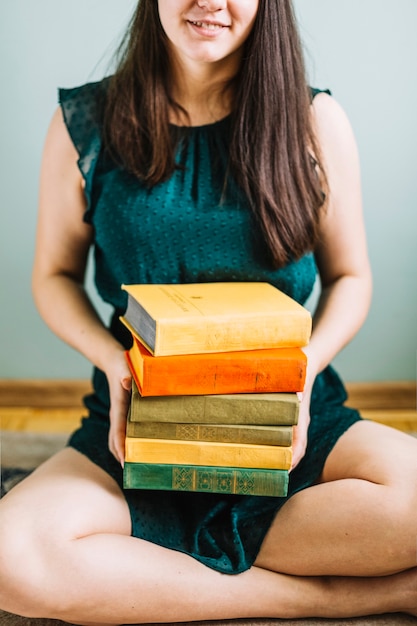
202	91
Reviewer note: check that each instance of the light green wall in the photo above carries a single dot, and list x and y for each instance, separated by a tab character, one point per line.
364	50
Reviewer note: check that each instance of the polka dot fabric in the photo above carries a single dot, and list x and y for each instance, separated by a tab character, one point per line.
186	230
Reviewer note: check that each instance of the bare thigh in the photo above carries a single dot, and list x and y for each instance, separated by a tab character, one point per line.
375	453
360	518
67	497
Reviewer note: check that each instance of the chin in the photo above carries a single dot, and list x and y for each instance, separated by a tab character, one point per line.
213	55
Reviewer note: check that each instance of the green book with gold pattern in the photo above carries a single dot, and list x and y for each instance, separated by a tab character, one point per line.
200	478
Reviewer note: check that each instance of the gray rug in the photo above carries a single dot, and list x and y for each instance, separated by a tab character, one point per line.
10	476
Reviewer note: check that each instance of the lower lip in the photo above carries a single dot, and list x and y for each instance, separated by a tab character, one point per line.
207	32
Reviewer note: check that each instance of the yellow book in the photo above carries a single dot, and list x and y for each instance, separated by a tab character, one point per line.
214	317
167	451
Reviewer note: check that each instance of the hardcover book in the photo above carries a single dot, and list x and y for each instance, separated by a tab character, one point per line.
249	371
280	409
227	433
172	452
227	480
214	317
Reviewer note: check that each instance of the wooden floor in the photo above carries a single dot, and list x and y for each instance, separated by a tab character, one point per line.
56	405
36	416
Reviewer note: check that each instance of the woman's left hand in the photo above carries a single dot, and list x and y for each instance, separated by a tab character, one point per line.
300	432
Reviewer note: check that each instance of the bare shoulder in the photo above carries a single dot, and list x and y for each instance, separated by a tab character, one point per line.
58	141
59	168
62	201
342	246
333	129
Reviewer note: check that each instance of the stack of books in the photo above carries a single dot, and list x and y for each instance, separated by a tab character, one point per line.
216	369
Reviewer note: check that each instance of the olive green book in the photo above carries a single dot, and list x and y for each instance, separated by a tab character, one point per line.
226	480
280	409
226	433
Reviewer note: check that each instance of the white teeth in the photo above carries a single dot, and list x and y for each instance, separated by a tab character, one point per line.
207	26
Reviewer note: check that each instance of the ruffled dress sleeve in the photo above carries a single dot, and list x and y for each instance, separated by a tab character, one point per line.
314	92
82	110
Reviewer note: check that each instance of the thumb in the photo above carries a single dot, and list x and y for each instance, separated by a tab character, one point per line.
126	383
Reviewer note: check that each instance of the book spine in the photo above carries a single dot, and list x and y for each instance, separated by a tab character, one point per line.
262	409
227	480
226	433
140	450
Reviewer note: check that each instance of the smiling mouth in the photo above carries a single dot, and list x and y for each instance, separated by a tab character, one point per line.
207	25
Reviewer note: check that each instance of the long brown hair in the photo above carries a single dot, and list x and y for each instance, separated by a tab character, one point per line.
272	138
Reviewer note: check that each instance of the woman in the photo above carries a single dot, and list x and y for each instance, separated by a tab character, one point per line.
206	157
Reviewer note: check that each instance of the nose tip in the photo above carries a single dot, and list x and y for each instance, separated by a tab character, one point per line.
211	5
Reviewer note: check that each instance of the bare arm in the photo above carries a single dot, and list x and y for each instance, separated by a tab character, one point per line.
341	255
62	244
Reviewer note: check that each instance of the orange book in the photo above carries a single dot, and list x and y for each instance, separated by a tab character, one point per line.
251	371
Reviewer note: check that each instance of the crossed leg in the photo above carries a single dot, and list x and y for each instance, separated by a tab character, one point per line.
361	520
342	548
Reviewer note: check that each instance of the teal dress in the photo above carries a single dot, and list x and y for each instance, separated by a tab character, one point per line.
181	231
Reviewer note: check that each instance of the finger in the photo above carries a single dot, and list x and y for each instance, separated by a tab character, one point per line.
117	433
127	383
117	444
297	458
299	447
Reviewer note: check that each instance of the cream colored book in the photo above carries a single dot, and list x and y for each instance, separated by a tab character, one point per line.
214	317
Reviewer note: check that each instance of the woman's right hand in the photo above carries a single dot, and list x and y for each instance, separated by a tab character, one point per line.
120	384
